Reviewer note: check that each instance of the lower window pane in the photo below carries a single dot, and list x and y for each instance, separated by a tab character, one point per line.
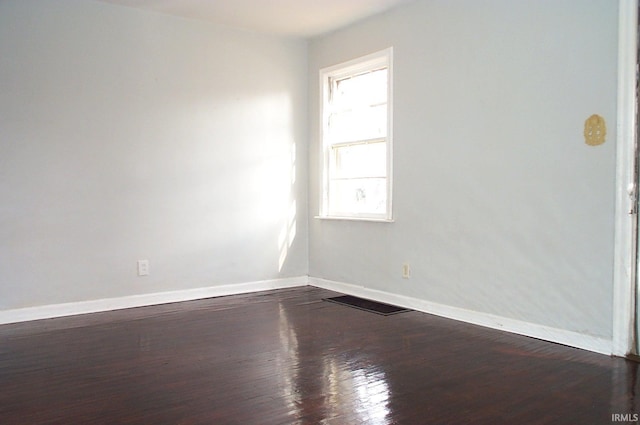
358	196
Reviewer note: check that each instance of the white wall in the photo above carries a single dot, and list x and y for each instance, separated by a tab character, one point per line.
130	135
500	206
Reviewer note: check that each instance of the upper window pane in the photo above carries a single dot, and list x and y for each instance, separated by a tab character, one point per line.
360	90
358	107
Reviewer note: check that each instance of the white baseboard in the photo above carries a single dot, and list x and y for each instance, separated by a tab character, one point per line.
560	336
108	304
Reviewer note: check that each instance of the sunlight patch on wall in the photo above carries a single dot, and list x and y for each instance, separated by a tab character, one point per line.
288	230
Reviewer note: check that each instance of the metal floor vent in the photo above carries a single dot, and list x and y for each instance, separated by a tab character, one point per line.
367	305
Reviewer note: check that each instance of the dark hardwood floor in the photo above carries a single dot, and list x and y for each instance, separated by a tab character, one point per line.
287	357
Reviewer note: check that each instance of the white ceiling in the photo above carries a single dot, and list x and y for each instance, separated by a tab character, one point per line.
298	18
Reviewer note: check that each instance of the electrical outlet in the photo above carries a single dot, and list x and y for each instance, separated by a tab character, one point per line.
143	267
406	271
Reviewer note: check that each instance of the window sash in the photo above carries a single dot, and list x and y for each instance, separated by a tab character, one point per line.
360	193
374	182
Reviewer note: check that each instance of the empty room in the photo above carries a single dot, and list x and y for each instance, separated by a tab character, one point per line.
318	212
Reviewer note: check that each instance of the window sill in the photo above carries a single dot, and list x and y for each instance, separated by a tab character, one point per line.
375	220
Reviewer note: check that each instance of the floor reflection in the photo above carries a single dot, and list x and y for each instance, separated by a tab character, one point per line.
336	370
288	361
372	395
323	389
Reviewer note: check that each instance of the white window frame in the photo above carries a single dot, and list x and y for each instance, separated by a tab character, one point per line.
371	62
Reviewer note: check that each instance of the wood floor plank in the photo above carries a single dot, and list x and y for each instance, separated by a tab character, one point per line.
287	357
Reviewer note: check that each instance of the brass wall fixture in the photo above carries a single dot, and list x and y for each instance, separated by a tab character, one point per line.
595	130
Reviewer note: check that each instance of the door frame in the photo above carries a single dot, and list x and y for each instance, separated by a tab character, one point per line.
625	258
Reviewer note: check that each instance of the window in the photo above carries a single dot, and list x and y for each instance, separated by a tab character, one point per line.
356	138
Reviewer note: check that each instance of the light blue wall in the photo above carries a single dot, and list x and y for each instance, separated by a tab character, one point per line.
127	134
500	206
